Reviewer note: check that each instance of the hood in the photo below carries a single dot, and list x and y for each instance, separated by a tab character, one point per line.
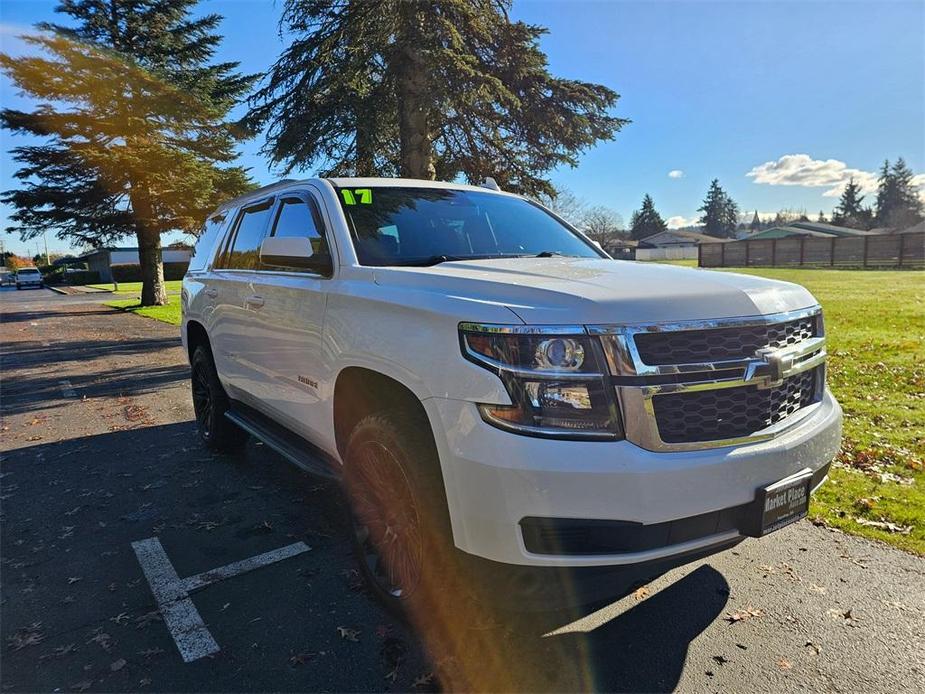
591	291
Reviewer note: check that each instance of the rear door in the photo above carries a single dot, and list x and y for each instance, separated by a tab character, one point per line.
287	318
232	329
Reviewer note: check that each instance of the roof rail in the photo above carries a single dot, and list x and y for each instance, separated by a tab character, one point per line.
264	189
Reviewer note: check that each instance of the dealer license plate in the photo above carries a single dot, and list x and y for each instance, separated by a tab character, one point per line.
785	502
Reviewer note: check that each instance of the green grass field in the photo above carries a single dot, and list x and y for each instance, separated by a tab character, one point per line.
135	287
875	324
167	314
875	328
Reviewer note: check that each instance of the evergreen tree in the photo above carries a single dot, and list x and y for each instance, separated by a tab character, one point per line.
437	89
132	111
756	223
646	221
822	218
720	213
850	211
898	203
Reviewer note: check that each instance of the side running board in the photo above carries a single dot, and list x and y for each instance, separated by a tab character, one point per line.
291	446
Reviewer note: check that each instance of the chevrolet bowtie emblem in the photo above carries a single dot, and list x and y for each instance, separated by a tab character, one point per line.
768	368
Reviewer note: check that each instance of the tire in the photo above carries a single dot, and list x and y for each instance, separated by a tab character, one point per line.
400	527
18	287
210	402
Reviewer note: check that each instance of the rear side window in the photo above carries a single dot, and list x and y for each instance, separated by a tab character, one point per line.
206	243
244	253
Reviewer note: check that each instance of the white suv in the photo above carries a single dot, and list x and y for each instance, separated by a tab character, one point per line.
499	397
29	277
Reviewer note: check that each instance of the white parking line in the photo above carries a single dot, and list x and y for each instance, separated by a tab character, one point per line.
67	389
172	593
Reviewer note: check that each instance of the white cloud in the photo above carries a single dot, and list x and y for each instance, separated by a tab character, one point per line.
803	170
676	173
678	222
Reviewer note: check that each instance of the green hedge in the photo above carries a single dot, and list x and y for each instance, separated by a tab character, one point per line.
82	277
132	273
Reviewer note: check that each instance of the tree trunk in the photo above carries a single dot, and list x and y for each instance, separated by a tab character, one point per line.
153	290
365	163
417	160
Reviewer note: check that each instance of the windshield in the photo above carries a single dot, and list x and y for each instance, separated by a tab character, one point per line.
425	226
28	271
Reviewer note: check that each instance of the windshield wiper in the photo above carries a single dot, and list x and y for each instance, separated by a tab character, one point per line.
552	254
435	260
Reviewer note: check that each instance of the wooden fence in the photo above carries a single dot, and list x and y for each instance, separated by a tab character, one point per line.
876	250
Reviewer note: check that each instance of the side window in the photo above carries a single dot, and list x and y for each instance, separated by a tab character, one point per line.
244	253
298	217
206	243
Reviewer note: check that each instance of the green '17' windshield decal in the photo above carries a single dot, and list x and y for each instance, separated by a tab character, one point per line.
365	196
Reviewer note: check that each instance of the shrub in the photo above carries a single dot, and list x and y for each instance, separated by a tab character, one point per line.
132	273
83	277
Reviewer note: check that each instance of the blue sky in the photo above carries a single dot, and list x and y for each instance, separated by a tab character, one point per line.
782	101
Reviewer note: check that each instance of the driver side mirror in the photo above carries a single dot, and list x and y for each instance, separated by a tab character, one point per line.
287	251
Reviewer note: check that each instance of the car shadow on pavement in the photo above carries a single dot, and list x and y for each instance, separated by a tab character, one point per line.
71	510
644	649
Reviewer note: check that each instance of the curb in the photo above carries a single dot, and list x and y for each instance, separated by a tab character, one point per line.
56	290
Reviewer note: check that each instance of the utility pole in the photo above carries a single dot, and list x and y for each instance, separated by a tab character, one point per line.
45	239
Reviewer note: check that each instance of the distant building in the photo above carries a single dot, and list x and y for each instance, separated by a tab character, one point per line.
818	229
102	260
676	238
621	249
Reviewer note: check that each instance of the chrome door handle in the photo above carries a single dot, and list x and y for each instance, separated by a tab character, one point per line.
253	301
211	293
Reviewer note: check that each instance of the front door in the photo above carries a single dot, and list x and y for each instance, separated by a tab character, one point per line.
286	314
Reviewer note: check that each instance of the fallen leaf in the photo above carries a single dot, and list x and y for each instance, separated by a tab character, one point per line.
423	680
348	634
884	525
721	659
784	664
641	593
742	615
82	686
810	644
117	665
302	658
26	636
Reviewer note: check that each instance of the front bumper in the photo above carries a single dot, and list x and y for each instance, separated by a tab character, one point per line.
495	479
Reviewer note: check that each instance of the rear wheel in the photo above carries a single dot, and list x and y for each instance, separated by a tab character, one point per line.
400	529
210	402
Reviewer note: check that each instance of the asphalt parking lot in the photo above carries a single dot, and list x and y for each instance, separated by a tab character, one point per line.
99	452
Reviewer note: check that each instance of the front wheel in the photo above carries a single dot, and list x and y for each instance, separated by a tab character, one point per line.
210	402
400	528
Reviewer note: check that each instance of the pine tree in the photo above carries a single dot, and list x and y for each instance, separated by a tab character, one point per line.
133	116
898	203
821	219
850	211
720	213
756	223
646	221
437	89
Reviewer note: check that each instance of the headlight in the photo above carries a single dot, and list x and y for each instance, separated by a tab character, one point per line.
556	377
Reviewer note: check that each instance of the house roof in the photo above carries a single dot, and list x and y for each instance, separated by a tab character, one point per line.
831	229
682	236
914	229
787	230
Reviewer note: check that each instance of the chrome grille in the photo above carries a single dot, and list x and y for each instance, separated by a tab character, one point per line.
708	415
702	384
688	346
